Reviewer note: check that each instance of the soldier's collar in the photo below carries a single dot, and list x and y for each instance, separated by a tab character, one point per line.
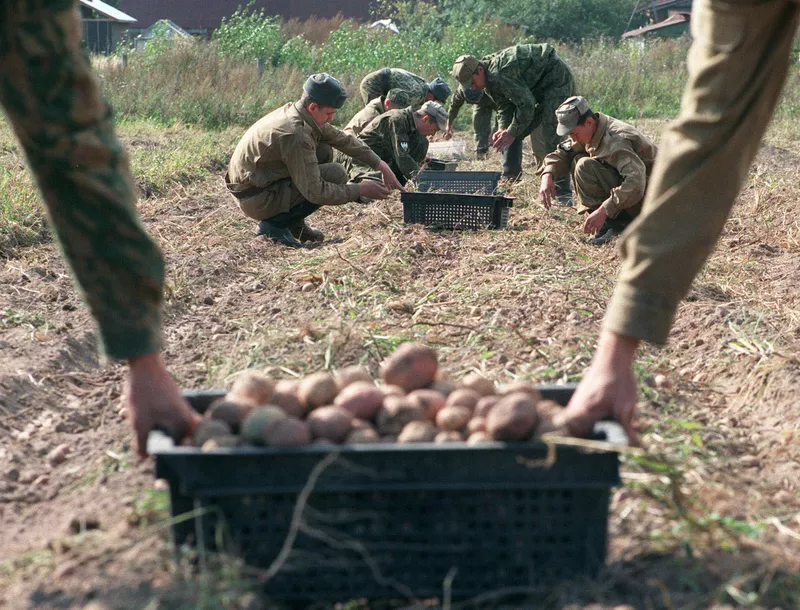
602	124
309	120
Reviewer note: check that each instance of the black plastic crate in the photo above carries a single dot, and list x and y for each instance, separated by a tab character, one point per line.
395	521
454	211
468	183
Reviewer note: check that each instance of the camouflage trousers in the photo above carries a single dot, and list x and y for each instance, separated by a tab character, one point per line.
66	130
483	124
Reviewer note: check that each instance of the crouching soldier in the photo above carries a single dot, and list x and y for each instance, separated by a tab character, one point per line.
610	162
282	170
394	100
378	83
399	138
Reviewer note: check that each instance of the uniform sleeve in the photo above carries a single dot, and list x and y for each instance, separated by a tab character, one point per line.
634	181
350	145
404	159
517	112
559	161
300	157
455	106
67	133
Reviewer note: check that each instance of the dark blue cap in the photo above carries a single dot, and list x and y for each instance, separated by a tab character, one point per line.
440	89
325	90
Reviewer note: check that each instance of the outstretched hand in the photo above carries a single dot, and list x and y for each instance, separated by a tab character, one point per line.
501	140
389	179
547	190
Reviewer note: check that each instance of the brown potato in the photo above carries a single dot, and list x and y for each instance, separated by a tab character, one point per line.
463	397
417	432
521	386
362	435
254	426
431	402
445	387
208	429
350	374
453	418
361	398
388	439
476	438
392	390
289	432
548	412
395	413
448	436
513	418
476	424
361	424
288	401
221	442
485	405
317	390
254	385
479	383
232	412
330	422
412	366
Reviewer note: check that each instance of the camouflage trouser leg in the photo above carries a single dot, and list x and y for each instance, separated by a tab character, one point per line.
592	182
482	126
54	105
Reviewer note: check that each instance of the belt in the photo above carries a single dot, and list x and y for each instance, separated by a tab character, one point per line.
251	191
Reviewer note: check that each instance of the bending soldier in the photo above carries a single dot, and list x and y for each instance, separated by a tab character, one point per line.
394	100
482	109
379	83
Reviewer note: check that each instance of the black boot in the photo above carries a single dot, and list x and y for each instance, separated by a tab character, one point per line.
301	231
611	229
278	233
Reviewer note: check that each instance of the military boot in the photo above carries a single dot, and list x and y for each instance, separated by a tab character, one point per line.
301	231
278	233
611	229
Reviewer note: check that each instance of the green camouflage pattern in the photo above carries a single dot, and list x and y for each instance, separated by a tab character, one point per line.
375	84
482	123
66	130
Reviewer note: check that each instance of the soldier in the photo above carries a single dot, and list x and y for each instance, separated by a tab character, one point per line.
737	65
281	170
378	83
394	100
526	82
65	128
400	138
482	109
609	162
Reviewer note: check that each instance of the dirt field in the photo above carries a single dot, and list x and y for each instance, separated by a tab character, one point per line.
710	519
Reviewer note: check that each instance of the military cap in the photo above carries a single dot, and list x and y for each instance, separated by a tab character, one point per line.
464	68
325	90
440	89
400	97
437	112
568	113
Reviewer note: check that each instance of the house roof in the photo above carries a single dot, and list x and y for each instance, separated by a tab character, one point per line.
671	21
648	5
108	11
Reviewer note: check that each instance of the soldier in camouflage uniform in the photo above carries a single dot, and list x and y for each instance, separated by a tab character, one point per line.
527	83
609	161
379	83
400	138
394	100
65	128
482	110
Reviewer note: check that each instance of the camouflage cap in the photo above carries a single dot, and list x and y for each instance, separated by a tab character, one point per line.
440	89
437	112
464	68
568	113
399	97
325	90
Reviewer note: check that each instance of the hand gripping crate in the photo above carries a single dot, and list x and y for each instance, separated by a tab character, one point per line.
396	521
453	211
468	183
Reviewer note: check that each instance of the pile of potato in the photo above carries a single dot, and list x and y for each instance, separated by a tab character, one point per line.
415	403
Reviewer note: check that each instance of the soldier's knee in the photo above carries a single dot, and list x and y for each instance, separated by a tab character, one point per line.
585	166
333	172
324	153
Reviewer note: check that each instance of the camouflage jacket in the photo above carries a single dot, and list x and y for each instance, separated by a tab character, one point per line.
395	139
518	78
379	83
617	145
459	99
364	116
283	145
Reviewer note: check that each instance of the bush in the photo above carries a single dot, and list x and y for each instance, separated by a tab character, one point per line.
249	35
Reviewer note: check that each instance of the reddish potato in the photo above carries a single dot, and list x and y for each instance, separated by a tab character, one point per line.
412	366
395	413
448	436
476	438
330	422
513	418
361	424
431	402
351	374
548	412
445	387
476	424
317	389
485	405
463	397
392	390
453	418
521	386
479	383
289	432
288	401
362	435
417	432
253	385
361	398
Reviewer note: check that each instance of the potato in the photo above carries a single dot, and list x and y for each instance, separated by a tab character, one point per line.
254	426
476	438
289	432
330	422
485	405
548	412
254	385
361	398
208	429
445	387
476	424
453	418
412	366
521	386
417	432
431	402
232	412
513	418
317	389
361	424
288	401
362	435
463	397
395	413
479	383
392	390
388	439
221	442
448	436
350	374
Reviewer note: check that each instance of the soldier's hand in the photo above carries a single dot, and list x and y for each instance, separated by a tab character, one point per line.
547	190
595	220
501	140
372	189
152	400
448	132
389	179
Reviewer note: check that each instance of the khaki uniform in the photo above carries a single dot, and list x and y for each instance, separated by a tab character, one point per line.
66	130
610	171
394	138
280	163
737	65
379	83
481	118
364	116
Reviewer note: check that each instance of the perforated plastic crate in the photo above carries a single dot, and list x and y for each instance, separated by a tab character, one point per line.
454	211
469	183
396	521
